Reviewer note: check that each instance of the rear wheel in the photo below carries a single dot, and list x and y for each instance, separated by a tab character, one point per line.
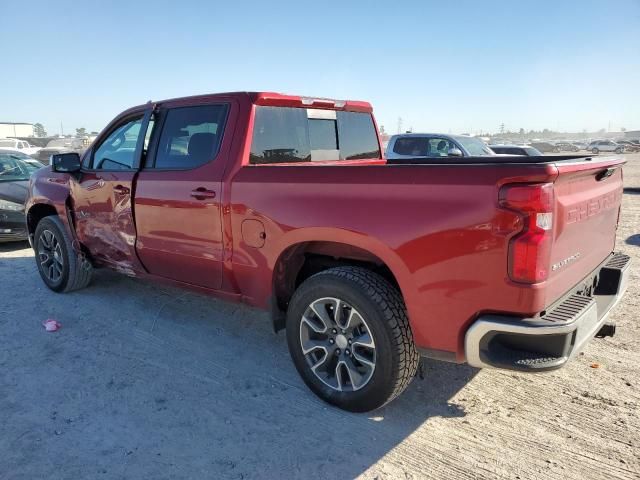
618	150
595	151
350	339
62	269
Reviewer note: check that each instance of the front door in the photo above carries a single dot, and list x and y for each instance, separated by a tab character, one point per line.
102	195
178	195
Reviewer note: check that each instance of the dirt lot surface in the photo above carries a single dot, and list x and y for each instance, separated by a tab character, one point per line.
146	381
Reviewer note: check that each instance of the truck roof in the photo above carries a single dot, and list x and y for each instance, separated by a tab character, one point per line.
279	100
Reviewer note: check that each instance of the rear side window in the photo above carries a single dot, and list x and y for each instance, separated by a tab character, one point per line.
190	136
293	135
423	146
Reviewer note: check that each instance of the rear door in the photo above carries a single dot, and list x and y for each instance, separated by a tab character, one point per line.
102	195
178	192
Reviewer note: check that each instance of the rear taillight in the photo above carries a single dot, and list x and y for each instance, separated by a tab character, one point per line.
530	250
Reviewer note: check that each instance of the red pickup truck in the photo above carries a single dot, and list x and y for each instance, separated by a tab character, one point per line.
287	203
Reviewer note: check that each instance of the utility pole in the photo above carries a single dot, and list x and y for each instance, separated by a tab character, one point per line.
399	124
502	128
61	129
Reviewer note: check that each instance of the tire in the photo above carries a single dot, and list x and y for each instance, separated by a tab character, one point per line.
62	269
618	150
556	150
345	377
595	151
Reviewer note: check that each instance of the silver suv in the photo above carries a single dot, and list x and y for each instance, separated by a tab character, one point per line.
605	146
434	145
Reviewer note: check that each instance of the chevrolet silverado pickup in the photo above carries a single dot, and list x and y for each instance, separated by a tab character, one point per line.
287	203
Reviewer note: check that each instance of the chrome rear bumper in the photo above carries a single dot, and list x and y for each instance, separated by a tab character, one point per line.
547	342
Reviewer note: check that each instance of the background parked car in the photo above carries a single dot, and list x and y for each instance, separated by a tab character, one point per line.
18	145
605	146
61	145
434	145
566	147
581	145
629	146
515	150
23	157
545	147
14	178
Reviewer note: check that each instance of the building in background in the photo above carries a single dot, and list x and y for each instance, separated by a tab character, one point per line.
16	129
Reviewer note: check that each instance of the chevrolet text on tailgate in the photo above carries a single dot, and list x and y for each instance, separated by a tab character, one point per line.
286	203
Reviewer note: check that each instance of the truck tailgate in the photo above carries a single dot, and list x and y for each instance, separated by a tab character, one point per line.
588	195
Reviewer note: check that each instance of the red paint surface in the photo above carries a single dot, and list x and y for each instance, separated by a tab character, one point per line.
438	228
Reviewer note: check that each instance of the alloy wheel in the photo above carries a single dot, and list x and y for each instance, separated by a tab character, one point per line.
50	256
337	344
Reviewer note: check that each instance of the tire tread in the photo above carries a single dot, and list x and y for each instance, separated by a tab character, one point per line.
394	311
80	269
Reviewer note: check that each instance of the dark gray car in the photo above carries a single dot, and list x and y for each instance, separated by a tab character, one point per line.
14	180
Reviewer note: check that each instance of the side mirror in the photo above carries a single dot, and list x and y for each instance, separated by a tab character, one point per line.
65	162
454	152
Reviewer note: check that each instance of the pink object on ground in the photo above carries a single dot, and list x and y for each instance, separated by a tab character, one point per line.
51	325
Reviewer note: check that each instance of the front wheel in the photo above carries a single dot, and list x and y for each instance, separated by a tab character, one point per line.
618	150
62	268
350	339
595	151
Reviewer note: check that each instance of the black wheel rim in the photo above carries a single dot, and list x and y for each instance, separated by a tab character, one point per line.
50	256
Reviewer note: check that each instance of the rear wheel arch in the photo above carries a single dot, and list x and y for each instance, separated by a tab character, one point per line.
305	259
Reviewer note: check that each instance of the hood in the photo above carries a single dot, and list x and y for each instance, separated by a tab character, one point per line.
14	191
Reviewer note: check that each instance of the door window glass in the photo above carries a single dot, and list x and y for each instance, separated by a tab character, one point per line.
117	151
190	136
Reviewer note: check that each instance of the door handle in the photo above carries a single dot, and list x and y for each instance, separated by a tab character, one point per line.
202	193
121	189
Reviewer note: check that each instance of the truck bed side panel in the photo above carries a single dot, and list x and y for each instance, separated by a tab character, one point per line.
438	228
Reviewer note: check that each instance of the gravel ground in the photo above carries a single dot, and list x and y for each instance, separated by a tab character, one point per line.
145	381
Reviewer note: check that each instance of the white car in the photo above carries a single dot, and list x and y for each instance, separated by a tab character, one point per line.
18	145
605	146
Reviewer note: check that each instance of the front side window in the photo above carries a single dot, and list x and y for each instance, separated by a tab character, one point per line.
294	135
475	146
190	136
439	147
117	151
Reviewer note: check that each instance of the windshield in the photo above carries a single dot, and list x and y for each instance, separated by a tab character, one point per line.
475	147
13	169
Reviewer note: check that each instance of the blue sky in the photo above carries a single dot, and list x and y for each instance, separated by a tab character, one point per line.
455	66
